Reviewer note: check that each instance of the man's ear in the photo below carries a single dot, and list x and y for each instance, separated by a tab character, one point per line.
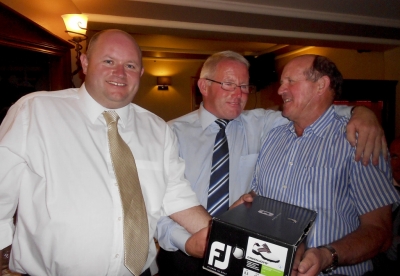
84	63
203	87
323	84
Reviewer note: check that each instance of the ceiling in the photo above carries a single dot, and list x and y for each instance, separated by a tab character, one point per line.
198	28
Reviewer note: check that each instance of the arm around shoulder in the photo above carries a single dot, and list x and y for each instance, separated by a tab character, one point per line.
370	139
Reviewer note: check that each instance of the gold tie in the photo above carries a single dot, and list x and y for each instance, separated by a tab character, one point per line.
136	231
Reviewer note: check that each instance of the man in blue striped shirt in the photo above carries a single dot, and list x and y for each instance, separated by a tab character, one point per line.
308	162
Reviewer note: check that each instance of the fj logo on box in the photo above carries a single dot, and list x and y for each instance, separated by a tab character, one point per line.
215	254
265	213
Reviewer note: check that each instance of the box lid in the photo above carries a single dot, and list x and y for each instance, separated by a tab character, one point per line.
278	220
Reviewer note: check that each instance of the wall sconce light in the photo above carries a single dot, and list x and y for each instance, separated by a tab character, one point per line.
76	27
163	83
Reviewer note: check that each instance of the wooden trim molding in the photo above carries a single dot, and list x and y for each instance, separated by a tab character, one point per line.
22	33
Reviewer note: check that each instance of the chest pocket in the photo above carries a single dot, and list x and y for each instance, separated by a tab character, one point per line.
320	188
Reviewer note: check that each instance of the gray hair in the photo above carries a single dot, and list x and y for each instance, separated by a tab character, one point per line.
210	65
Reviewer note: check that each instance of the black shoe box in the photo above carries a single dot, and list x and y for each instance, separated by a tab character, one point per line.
260	238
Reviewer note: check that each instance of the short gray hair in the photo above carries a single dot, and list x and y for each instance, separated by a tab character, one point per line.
210	65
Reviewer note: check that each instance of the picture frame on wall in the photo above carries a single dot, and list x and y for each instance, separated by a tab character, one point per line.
197	98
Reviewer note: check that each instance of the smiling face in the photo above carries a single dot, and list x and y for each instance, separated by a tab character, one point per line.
113	69
395	159
225	104
304	100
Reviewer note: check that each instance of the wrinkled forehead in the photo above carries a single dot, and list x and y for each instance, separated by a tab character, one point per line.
116	39
231	68
295	67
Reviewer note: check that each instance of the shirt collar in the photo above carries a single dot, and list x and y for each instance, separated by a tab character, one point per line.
94	110
319	126
207	118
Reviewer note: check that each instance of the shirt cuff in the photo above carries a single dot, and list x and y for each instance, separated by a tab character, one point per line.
179	238
6	233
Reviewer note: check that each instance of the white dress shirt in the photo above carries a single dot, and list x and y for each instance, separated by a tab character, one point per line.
56	168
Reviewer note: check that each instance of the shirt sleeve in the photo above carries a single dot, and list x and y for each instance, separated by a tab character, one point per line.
170	235
13	170
179	194
343	110
371	186
272	119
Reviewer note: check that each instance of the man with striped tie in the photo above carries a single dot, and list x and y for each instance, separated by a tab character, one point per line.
309	163
204	137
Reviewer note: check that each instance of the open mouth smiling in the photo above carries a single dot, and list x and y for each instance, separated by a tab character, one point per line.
116	83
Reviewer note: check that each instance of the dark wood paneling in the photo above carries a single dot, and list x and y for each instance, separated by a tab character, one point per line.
22	33
31	58
374	91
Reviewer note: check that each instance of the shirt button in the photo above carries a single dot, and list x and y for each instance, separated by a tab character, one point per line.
119	218
117	256
116	184
284	186
290	163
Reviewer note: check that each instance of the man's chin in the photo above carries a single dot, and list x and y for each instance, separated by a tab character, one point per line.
285	114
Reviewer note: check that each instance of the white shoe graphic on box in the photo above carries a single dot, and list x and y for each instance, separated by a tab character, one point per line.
265	253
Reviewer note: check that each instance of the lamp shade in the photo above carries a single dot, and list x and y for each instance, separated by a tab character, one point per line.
75	24
163	80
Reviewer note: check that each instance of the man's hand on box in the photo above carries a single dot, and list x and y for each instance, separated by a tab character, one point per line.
297	259
244	198
314	261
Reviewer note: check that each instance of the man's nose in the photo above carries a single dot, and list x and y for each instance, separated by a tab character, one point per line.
119	70
237	92
282	89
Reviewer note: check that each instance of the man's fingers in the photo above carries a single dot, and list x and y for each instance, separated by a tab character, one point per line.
377	150
384	147
247	198
368	149
244	198
351	135
360	146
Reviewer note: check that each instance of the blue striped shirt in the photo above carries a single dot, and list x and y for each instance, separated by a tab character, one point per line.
317	171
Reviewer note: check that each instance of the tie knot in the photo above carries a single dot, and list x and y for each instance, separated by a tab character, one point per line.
222	123
110	116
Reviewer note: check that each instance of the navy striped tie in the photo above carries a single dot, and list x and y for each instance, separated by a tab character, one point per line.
218	192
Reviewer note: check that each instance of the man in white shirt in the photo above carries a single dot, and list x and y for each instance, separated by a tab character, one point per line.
57	170
224	84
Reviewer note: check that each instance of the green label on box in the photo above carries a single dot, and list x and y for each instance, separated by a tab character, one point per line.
269	271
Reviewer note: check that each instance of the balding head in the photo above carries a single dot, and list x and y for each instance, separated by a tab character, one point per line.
96	36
